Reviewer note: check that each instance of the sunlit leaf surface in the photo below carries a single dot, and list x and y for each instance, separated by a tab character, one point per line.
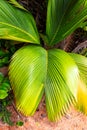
81	62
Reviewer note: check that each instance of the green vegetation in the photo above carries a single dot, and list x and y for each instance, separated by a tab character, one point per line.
4	99
5	54
38	68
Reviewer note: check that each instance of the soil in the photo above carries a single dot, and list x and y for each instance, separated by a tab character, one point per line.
73	120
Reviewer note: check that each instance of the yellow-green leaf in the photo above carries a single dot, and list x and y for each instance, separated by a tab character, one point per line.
81	62
27	74
61	83
34	70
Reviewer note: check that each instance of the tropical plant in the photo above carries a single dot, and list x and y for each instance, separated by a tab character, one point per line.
6	51
4	102
35	70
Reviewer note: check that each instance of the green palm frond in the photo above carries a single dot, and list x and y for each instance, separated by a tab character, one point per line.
63	17
27	75
61	82
33	71
81	62
16	24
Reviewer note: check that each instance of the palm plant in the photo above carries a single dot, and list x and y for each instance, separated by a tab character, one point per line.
35	70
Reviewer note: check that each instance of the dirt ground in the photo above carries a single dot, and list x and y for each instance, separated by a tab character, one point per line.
73	120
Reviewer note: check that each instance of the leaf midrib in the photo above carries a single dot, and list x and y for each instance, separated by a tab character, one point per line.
75	25
19	30
59	24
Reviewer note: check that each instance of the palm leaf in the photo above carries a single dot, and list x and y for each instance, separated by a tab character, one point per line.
33	70
16	24
82	97
81	62
63	17
27	75
61	83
